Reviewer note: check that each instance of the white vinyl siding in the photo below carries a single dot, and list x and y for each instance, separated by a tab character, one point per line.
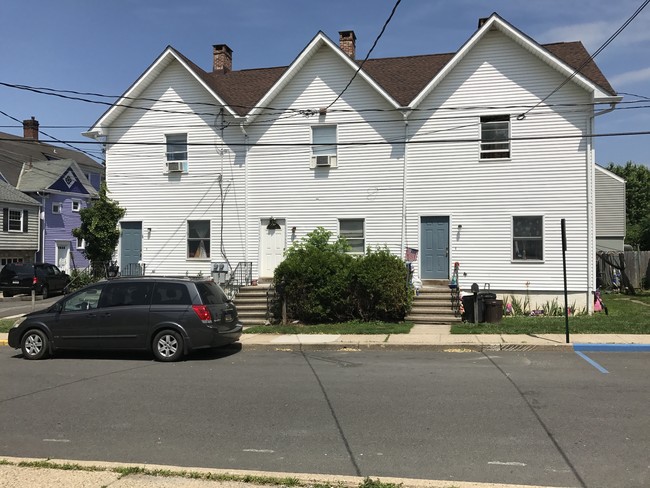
268	176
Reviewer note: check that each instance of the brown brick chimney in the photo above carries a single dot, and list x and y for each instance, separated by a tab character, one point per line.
222	58
30	129
347	42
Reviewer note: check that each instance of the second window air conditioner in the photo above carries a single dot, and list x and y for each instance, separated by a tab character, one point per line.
174	166
323	161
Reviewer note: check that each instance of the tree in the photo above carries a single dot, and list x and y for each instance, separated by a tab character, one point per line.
637	202
99	230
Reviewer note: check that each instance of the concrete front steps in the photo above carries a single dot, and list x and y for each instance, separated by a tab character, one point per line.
433	305
251	304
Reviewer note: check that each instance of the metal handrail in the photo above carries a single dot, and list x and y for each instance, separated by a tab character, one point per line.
241	276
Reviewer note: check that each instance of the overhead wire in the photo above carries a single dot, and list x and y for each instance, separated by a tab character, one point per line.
374	44
589	59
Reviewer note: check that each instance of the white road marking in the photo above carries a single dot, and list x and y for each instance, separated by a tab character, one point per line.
56	440
509	463
259	450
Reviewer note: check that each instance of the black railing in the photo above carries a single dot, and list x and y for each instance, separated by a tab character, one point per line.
131	269
241	276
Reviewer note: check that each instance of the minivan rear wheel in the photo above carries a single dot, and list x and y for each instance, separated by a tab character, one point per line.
167	346
34	344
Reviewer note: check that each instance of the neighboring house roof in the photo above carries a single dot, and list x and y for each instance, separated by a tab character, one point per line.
402	80
8	194
16	150
609	173
54	176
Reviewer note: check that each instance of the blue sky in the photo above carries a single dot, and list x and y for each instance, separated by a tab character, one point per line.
102	47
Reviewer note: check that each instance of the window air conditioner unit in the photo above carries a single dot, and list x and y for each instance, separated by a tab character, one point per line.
324	161
174	166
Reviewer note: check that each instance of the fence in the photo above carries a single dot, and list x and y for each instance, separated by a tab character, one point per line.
623	270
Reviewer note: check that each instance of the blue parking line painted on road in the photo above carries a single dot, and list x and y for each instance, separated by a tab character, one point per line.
592	362
612	347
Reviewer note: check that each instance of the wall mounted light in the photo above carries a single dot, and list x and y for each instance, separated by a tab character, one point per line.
293	229
273	224
460	226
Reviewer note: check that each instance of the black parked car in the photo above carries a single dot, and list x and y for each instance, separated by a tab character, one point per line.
167	316
44	278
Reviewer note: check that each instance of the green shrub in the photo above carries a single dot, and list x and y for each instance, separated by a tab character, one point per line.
322	283
80	278
379	286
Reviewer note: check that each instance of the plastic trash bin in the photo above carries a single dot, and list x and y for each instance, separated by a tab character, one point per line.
493	311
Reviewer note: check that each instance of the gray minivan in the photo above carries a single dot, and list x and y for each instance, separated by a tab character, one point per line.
168	316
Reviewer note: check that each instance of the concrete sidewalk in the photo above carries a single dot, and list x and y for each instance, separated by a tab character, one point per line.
45	473
431	338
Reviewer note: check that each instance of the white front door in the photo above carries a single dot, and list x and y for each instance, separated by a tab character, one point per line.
272	247
63	255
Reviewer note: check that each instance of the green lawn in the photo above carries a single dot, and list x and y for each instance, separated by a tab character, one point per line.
5	324
628	314
353	327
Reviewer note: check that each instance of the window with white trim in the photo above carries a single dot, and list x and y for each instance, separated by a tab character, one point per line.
176	152
353	231
76	205
528	238
495	137
56	208
198	239
81	243
15	221
323	149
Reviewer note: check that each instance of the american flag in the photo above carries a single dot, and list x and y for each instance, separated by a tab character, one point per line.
411	254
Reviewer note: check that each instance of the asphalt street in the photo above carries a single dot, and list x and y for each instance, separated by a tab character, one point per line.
531	418
15	306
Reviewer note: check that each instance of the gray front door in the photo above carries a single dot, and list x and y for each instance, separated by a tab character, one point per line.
434	260
131	248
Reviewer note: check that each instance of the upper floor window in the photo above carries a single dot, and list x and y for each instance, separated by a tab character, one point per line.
14	220
56	208
176	147
527	238
323	149
353	231
76	205
495	137
176	155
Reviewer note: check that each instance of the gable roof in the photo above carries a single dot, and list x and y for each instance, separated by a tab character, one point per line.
16	150
43	176
8	194
403	81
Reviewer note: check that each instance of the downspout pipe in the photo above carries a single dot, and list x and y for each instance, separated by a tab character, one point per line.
405	115
243	130
591	211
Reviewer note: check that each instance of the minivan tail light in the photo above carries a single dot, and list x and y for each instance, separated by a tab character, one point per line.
203	313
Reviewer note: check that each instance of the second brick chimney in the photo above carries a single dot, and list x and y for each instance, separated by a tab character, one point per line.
222	58
348	42
30	129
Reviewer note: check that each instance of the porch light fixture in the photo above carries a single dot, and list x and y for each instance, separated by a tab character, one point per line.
273	224
460	226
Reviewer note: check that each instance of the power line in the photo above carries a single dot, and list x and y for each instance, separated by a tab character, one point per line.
589	59
369	52
350	144
48	135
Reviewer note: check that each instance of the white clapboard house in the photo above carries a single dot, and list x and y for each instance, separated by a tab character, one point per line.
471	157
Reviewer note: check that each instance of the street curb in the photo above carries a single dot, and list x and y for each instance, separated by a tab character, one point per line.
409	347
612	347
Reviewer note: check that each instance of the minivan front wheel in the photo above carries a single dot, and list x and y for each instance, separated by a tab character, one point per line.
34	344
168	346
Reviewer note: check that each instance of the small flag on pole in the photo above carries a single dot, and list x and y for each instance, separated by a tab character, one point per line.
411	254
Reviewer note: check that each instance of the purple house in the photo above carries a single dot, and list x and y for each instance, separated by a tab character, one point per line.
46	172
62	189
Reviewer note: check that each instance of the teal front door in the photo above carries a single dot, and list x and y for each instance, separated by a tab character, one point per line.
131	248
434	248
